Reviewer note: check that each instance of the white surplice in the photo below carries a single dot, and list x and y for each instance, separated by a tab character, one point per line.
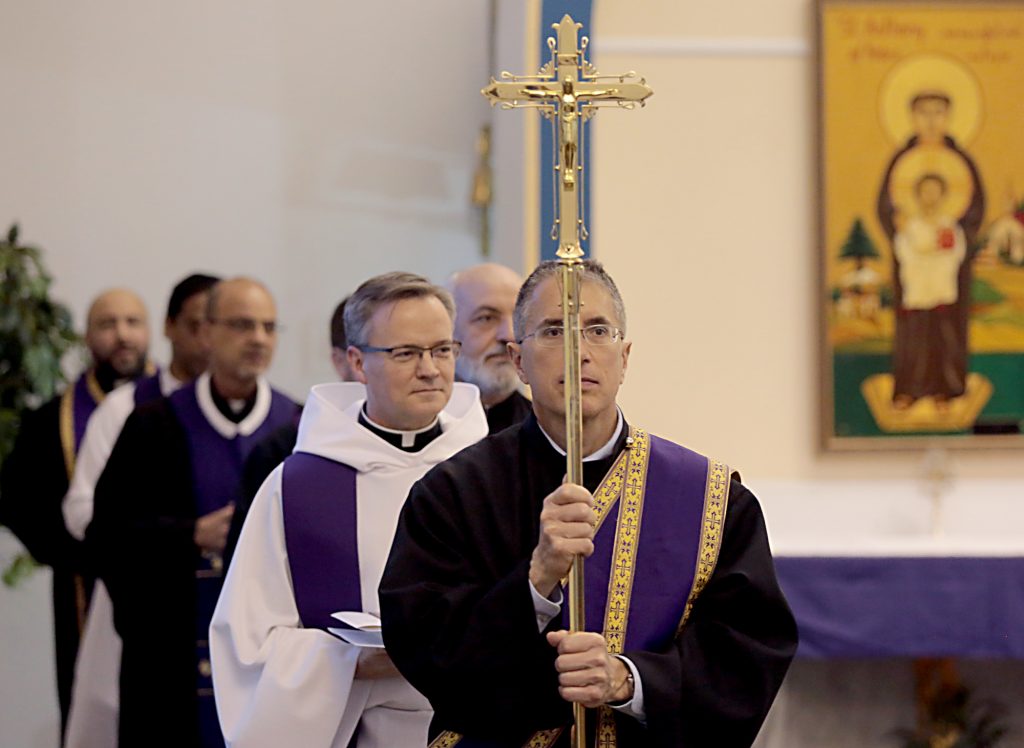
277	683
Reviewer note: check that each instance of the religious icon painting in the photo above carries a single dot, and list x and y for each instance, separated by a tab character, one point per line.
921	168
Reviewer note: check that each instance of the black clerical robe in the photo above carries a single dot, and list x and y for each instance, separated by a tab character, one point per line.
510	411
33	482
260	463
142	537
460	624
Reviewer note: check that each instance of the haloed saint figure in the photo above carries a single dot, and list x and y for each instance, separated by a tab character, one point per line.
931	205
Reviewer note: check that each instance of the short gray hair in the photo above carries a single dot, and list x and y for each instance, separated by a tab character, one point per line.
386	289
592	271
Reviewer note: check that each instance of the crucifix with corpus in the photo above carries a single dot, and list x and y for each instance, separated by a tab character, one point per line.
567	91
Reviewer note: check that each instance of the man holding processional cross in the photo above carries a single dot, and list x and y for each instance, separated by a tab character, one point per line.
683	636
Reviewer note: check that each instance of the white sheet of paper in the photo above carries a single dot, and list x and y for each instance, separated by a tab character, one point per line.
358	620
358	638
365	631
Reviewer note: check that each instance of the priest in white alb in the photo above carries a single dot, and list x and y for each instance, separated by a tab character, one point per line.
318	534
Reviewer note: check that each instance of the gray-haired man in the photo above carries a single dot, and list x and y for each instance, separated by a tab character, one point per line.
687	634
485	297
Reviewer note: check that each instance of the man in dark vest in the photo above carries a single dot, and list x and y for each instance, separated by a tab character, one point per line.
162	509
35	475
687	636
318	532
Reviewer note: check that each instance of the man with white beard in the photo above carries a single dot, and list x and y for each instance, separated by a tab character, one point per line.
485	296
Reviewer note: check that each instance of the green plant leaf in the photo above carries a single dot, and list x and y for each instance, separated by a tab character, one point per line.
35	332
21	568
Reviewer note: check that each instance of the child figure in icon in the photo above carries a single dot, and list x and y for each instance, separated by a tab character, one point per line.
929	249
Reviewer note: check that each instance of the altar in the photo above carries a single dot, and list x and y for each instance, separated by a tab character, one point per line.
923	599
879	576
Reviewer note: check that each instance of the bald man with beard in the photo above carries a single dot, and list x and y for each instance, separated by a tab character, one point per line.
35	475
162	509
485	297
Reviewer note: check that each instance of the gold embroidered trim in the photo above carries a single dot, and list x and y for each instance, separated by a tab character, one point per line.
67	429
610	490
716	501
541	739
445	740
67	446
607	494
627	534
544	738
607	735
620	581
92	384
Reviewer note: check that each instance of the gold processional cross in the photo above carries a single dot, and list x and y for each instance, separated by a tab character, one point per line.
567	91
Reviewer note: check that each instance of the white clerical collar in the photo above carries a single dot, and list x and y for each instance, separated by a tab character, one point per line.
223	425
408	437
600	454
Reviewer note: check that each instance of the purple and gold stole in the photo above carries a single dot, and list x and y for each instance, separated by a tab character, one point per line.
640	596
76	406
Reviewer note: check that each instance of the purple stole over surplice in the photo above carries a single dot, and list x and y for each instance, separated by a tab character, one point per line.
661	512
321	537
216	465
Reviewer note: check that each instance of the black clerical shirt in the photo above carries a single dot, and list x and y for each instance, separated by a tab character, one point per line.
407	441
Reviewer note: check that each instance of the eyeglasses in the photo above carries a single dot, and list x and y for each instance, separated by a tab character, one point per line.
552	336
247	325
406	354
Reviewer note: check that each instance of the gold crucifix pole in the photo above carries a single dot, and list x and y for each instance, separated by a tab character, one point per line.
567	91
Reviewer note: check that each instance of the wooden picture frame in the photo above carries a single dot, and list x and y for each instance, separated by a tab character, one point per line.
921	222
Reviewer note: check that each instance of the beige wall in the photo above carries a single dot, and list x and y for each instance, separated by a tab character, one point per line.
143	140
705	213
704	206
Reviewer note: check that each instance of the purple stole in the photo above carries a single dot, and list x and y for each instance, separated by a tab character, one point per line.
639	595
85	405
673	513
216	467
320	534
76	406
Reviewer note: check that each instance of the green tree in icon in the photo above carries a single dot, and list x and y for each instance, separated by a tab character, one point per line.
858	245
